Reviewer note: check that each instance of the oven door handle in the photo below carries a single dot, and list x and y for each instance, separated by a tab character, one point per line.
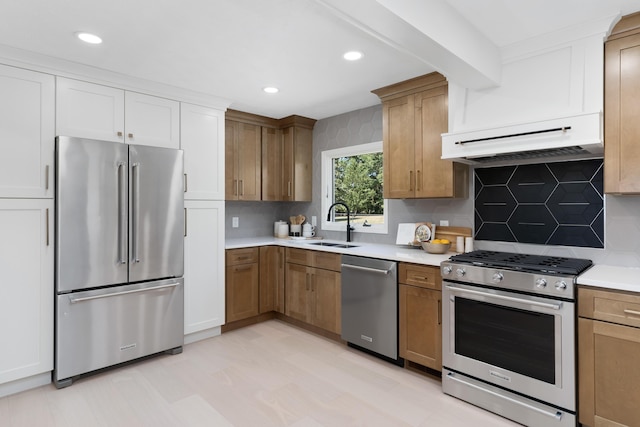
555	415
547	305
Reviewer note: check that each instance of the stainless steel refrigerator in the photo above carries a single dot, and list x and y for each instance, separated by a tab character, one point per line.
119	254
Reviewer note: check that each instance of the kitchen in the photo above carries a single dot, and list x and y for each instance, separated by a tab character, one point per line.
621	221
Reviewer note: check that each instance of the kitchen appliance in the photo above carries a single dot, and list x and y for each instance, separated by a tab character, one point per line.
509	336
565	138
370	305
119	254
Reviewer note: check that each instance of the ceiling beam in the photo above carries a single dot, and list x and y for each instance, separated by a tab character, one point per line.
429	30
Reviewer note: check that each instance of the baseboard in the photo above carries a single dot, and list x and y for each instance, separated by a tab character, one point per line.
24	384
202	335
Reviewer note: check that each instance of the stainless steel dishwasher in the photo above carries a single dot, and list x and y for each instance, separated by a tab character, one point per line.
370	305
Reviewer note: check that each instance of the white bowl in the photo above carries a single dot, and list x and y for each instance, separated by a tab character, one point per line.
436	248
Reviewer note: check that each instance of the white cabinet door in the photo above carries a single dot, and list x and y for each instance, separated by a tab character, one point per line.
150	120
27	133
202	139
87	110
203	265
26	293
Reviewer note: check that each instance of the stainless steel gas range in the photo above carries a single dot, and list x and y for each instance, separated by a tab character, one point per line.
509	334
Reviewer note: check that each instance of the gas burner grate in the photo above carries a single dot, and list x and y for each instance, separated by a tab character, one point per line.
536	263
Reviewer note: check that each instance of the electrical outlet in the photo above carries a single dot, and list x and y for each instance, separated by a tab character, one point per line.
314	221
444	223
235	222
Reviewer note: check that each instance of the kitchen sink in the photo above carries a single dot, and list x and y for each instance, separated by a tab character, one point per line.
346	246
325	244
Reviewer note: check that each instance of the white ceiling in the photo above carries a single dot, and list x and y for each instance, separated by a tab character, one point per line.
231	49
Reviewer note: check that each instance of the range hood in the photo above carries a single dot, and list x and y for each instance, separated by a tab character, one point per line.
563	138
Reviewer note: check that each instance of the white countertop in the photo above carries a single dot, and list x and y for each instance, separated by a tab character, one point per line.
612	277
372	250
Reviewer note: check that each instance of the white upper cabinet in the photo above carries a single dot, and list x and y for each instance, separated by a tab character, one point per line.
150	120
27	133
88	110
202	139
26	305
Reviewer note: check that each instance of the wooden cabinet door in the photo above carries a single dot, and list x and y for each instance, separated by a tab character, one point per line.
434	176
27	133
608	374
272	164
201	134
297	291
271	279
242	291
398	147
420	312
151	120
204	267
326	300
231	130
622	109
249	162
297	161
26	306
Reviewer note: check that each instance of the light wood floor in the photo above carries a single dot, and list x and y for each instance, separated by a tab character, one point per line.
269	374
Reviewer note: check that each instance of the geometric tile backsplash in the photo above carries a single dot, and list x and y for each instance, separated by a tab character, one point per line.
548	203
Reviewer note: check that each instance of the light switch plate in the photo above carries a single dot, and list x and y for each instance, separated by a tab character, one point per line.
444	223
235	222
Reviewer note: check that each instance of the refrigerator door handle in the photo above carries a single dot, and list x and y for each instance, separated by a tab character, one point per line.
115	294
122	215
135	201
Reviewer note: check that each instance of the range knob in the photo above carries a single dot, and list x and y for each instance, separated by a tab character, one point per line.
541	283
561	285
446	270
460	272
497	277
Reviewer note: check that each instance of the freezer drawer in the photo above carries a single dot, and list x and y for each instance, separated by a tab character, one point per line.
100	328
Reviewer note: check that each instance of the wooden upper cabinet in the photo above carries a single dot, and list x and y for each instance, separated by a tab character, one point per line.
297	158
414	115
284	156
242	161
622	108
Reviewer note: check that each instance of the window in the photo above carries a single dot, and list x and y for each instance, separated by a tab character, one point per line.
353	175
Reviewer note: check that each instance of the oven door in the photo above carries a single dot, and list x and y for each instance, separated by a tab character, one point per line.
519	342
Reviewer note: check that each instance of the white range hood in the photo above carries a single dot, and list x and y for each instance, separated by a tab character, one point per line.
561	138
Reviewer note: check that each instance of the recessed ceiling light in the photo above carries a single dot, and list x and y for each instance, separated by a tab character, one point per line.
271	89
353	55
89	38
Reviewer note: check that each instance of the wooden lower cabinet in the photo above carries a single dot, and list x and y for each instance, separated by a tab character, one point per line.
420	312
313	294
271	279
608	349
242	284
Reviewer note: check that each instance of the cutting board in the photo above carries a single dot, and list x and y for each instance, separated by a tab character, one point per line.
451	233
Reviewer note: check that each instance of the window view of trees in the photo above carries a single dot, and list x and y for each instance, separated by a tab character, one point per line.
358	183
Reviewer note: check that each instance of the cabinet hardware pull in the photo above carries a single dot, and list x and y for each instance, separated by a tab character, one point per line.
631	312
307	282
418	180
185	222
289	188
242	187
410	180
130	135
240	258
185	183
439	312
47	214
119	134
244	267
46	177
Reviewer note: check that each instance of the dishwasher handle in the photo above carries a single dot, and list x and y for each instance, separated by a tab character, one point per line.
369	269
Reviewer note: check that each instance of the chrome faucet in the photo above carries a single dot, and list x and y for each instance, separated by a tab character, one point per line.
349	229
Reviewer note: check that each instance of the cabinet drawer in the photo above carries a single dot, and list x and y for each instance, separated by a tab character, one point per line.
299	256
610	306
326	260
420	275
242	256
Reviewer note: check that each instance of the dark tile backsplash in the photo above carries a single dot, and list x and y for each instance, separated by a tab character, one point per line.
548	204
